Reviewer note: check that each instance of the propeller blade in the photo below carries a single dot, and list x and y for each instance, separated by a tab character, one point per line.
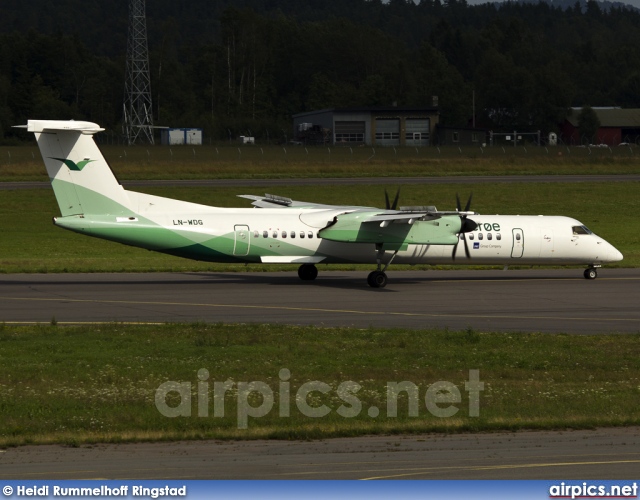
395	200
466	208
466	247
466	226
386	200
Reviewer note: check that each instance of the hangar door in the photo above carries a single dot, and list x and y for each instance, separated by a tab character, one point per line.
417	132
348	131
388	131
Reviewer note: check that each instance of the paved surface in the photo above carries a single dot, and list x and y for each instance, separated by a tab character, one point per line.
554	300
386	181
599	454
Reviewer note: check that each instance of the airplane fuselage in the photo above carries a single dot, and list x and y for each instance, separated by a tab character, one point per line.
296	236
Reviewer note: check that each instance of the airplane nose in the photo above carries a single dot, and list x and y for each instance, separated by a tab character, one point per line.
616	255
612	254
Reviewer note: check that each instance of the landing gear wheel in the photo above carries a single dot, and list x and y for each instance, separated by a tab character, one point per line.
590	273
377	279
307	272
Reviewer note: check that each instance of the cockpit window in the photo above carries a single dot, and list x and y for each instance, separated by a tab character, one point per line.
581	230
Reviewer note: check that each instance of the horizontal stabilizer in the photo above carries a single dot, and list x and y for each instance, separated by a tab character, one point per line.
39	126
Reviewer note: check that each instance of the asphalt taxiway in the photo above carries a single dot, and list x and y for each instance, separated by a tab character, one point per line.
542	300
563	455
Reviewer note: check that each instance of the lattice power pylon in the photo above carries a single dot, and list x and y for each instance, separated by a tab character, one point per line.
138	118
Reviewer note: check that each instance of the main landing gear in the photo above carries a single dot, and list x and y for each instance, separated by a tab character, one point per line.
591	272
307	272
378	278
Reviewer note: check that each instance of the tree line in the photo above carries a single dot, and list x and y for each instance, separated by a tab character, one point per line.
245	69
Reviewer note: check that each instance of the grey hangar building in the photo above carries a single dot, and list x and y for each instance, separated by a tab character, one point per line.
376	126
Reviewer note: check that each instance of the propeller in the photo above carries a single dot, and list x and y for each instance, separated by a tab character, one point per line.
466	226
394	205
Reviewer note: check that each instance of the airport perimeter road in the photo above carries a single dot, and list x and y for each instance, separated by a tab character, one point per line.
565	455
331	181
554	300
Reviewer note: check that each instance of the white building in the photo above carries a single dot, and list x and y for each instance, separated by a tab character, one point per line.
181	136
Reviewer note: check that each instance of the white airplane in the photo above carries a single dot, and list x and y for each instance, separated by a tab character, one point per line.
282	230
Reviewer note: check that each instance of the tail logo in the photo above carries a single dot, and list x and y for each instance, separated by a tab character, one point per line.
73	165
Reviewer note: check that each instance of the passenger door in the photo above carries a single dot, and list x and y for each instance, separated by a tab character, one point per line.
518	243
242	240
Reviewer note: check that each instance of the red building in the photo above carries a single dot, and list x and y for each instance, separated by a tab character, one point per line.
616	126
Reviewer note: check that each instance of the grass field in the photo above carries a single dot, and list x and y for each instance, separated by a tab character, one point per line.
264	162
98	383
30	243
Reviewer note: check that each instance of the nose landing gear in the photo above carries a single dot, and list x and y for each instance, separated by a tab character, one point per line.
591	272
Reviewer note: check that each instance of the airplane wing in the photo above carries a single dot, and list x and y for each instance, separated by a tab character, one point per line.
273	201
410	215
395	229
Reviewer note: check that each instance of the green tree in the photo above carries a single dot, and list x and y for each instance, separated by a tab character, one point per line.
436	77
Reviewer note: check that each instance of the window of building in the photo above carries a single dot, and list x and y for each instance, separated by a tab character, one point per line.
387	135
474	136
349	137
456	137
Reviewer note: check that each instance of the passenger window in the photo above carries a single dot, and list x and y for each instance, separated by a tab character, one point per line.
518	237
310	235
489	236
275	234
256	234
284	234
265	234
471	236
480	236
301	234
498	236
293	234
